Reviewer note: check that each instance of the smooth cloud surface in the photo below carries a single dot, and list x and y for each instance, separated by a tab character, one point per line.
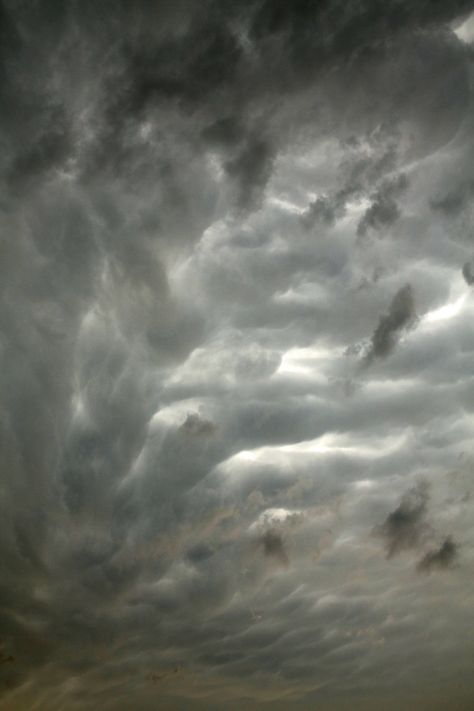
236	339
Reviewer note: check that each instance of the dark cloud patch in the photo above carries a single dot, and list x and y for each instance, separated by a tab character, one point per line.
199	553
363	168
169	341
405	526
358	31
455	201
382	213
251	169
197	426
468	272
323	209
440	558
274	547
224	132
400	315
384	210
50	150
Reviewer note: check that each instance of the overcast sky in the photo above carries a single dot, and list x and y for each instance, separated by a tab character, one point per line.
236	342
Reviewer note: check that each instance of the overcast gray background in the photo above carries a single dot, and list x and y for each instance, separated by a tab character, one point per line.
237	387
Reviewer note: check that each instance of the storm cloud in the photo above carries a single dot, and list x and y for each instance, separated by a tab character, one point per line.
203	207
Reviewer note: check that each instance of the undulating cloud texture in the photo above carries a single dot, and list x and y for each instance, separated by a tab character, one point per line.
237	348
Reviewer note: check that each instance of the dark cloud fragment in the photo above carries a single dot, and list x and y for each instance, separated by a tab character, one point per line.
400	315
274	547
250	169
384	210
199	553
454	201
440	558
362	169
197	426
403	529
355	31
323	209
468	272
224	132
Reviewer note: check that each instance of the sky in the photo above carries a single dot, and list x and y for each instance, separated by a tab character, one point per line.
236	343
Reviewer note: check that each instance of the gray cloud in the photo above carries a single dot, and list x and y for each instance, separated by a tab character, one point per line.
440	558
468	273
384	210
274	547
454	201
401	313
404	527
182	187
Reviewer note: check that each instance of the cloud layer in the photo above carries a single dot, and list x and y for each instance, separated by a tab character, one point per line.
236	342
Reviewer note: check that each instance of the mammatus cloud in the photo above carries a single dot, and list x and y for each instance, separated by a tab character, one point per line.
201	205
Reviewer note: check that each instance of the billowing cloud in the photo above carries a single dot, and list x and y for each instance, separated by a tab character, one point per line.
202	206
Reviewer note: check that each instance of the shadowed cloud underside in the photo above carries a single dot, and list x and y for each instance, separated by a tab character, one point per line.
236	343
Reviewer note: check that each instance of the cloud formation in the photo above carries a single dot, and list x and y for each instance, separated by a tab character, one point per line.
405	526
202	206
401	314
440	558
468	273
273	547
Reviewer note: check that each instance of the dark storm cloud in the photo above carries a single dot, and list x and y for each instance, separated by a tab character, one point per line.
156	157
400	315
199	60
440	558
405	526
